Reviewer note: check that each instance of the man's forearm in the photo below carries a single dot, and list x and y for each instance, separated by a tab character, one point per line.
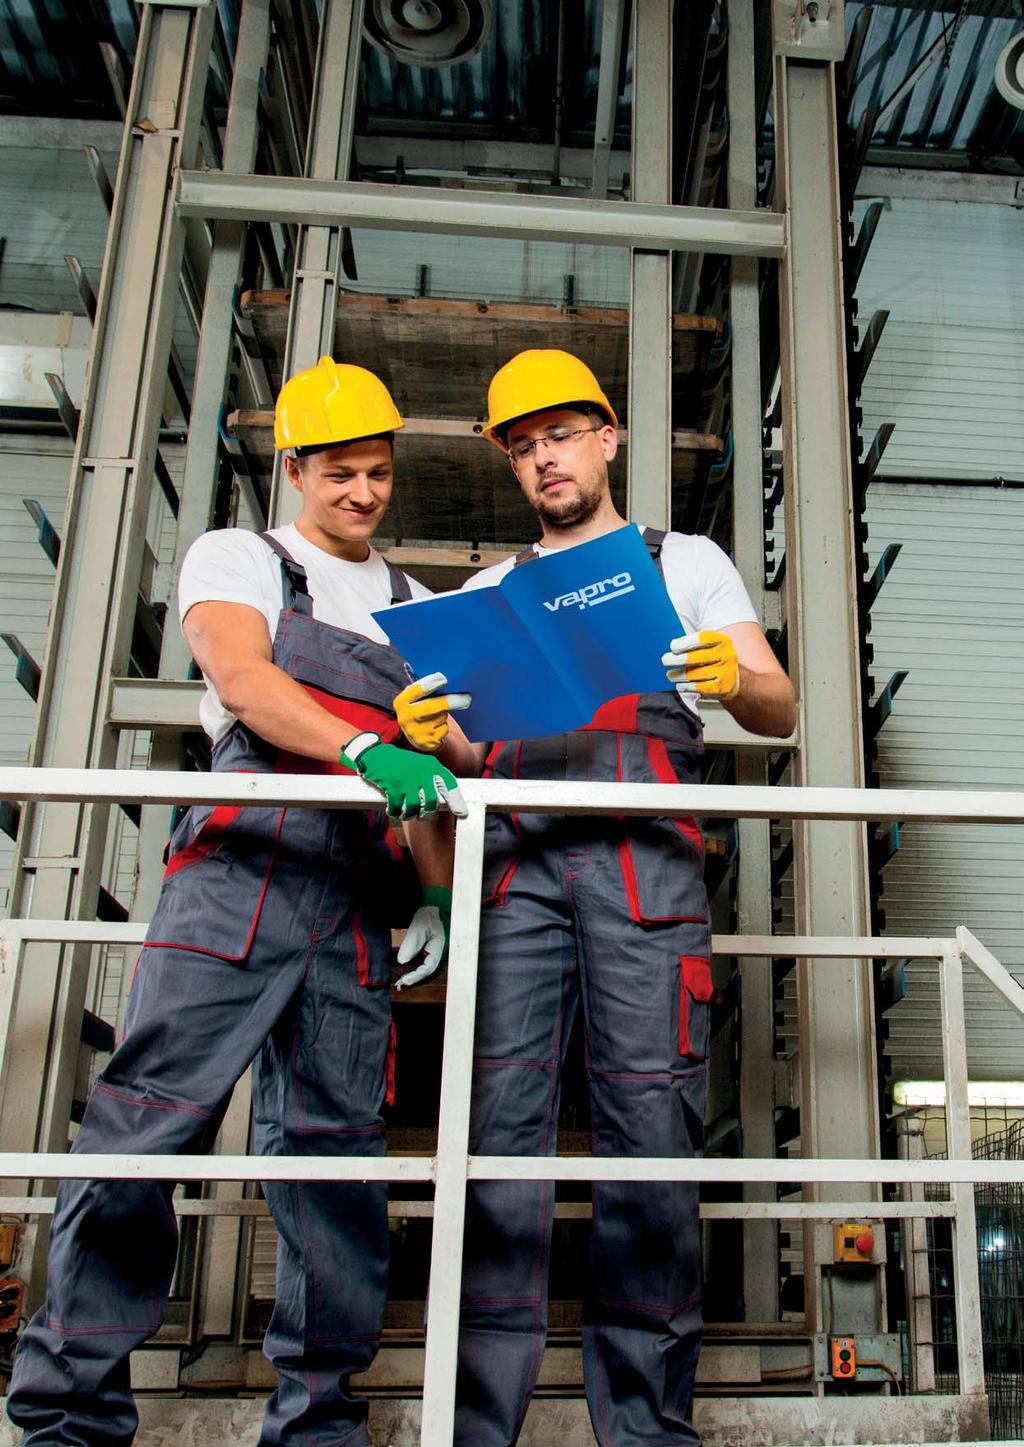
432	846
278	709
765	703
463	758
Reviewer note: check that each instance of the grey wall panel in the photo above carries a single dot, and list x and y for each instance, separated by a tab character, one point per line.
949	371
952	613
466	267
39	468
50	208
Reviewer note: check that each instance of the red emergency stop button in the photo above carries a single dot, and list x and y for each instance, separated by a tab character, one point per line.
865	1243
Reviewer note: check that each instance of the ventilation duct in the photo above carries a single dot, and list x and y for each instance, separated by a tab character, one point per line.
428	32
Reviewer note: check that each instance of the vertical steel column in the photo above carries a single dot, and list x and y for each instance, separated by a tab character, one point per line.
916	1275
612	25
199	479
967	1286
60	852
318	254
754	878
649	490
445	1289
839	1112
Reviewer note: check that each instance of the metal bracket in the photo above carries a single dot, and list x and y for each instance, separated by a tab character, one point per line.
809	29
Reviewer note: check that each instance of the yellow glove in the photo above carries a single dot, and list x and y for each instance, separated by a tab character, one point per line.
705	662
423	714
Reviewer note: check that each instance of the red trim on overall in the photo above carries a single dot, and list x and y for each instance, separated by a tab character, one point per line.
389	1065
218	954
392	844
500	890
362	716
625	853
657	753
617	716
695	980
362	953
205	840
491	759
628	867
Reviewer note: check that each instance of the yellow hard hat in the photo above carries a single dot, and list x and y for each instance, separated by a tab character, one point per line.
332	402
535	380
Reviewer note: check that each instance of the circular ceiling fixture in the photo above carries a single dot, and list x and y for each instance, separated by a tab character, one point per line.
428	32
1010	72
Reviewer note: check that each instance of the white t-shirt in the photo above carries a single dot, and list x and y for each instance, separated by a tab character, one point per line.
702	581
233	565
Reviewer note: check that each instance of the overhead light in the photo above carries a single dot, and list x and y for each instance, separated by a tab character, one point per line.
1009	75
428	32
979	1092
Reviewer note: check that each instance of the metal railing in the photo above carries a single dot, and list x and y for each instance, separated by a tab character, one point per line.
452	1166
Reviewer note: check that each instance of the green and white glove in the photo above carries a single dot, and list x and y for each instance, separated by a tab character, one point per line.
412	784
429	931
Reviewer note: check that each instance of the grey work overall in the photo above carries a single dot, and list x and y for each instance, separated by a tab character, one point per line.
610	915
269	945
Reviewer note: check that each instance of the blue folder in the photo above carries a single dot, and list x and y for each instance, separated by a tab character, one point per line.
544	648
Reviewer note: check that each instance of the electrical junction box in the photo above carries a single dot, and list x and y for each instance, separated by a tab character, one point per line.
854	1243
844	1358
874	1357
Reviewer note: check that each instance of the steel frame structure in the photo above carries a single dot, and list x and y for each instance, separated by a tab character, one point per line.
452	1166
159	192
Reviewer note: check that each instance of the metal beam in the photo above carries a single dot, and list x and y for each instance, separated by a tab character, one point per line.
838	1112
100	785
612	29
649	481
528	160
58	866
172	704
314	289
200	474
754	866
291	199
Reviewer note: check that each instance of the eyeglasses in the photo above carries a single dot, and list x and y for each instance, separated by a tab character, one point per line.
558	439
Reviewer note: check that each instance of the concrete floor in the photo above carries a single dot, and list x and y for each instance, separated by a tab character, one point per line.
723	1421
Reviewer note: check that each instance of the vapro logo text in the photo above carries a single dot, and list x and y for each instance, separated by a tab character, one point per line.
593	593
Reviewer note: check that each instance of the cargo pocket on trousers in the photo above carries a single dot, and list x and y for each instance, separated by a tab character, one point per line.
695	992
216	881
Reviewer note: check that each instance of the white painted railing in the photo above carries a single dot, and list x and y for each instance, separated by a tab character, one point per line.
452	1165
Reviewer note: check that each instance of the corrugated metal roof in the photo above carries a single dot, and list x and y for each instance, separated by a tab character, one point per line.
50	61
50	65
509	87
945	106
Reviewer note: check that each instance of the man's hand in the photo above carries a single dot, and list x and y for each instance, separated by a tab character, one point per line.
422	713
706	662
412	785
429	930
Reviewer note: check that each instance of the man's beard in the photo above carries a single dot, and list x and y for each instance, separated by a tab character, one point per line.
573	510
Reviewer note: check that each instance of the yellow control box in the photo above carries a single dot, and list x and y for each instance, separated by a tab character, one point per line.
844	1358
854	1241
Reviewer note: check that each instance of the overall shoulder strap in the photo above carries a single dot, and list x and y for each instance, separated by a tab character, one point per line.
528	555
654	538
400	590
294	583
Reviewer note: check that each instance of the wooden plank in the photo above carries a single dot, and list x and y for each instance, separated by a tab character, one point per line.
452	486
246	420
436	355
